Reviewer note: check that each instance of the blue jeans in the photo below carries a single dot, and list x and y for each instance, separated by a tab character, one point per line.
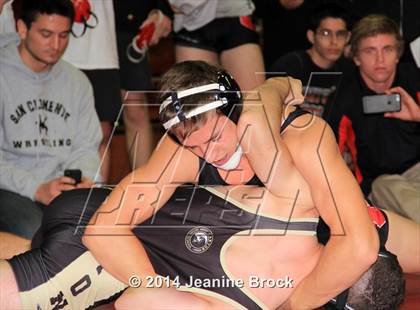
19	215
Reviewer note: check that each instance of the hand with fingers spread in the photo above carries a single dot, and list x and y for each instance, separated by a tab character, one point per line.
46	192
410	109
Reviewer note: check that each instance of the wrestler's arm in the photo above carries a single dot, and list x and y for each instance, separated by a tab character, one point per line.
354	244
137	197
259	127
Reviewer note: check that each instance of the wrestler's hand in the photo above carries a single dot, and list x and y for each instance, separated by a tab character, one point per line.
46	192
85	183
275	95
295	95
289	85
163	26
284	85
410	109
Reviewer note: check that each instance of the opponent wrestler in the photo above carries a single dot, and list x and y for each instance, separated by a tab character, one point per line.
302	167
231	237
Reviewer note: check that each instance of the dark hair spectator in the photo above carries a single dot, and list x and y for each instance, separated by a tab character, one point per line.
31	9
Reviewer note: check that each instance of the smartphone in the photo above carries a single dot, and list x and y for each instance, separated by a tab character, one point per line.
381	103
75	174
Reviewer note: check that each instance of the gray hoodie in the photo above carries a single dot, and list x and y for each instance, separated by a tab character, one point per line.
48	122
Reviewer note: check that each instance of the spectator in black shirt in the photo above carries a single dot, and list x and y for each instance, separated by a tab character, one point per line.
321	66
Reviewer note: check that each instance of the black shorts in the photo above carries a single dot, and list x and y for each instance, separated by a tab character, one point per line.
59	272
107	93
220	34
134	76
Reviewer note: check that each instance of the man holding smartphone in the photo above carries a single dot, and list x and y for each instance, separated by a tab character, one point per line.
381	139
48	121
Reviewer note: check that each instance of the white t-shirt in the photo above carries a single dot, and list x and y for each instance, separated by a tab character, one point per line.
97	48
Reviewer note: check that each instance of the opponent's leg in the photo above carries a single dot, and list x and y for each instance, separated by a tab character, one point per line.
61	272
19	215
9	293
11	245
404	241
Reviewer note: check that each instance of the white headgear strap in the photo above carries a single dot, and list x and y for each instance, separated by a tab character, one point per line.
200	109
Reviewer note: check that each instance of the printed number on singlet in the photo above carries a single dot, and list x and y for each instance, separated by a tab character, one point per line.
59	302
80	286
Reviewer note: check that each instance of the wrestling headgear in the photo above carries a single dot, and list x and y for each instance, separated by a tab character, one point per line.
226	94
83	13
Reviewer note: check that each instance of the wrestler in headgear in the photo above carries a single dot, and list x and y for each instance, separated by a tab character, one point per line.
301	166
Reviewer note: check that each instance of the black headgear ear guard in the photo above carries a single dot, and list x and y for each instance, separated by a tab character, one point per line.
232	94
227	99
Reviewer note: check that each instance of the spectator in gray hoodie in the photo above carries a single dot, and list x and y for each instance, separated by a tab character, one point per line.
48	121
